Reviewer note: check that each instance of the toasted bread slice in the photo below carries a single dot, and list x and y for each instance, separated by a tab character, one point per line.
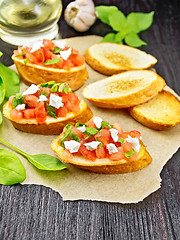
125	89
35	74
160	113
111	58
105	165
51	125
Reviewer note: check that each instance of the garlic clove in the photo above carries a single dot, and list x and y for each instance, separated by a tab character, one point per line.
79	25
88	19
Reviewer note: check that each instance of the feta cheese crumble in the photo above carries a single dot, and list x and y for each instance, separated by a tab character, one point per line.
36	46
111	148
92	145
114	134
20	107
135	143
55	101
42	98
72	146
65	54
82	129
31	90
97	121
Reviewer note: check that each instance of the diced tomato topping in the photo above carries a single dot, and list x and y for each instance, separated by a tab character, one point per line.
31	58
125	134
118	127
39	55
47	54
67	64
91	123
77	132
61	112
31	100
10	99
133	157
100	152
103	136
71	102
40	113
29	113
48	91
118	155
15	114
77	60
91	155
135	134
127	146
66	155
48	44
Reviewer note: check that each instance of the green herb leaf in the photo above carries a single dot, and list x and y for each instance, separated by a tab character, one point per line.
118	21
66	89
133	40
51	83
130	153
54	88
43	92
103	12
68	126
40	161
120	140
10	79
110	37
78	124
42	56
110	126
100	145
12	170
1	118
2	91
1	53
74	136
66	134
57	50
25	61
18	99
104	124
52	61
61	87
20	54
51	110
43	85
91	131
119	37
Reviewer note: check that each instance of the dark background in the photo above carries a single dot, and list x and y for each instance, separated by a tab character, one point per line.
37	212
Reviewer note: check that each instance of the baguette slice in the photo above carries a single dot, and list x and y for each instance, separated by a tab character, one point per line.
35	74
125	89
51	125
160	113
111	58
105	165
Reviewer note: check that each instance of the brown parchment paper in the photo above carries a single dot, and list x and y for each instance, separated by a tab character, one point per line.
73	183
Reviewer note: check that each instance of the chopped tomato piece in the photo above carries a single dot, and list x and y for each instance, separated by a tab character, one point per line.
29	113
77	60
127	146
91	155
71	102
118	155
31	100
66	155
67	64
135	134
125	134
118	127
40	113
103	136
39	55
133	157
15	114
78	132
48	44
47	54
91	123
61	112
100	152
31	58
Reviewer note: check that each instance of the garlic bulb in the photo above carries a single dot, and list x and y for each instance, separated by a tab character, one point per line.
80	14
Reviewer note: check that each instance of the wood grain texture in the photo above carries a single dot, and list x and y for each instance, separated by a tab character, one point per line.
36	212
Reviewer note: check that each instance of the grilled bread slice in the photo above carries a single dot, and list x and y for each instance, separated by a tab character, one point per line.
51	125
104	165
35	74
160	113
111	58
125	89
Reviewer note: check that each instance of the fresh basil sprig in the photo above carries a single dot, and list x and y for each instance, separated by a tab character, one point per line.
40	161
51	110
124	28
52	61
18	99
130	153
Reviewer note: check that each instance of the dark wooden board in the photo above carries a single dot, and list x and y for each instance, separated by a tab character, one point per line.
36	212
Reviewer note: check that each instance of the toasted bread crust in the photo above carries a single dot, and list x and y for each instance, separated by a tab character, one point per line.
105	166
126	63
34	74
128	100
169	109
51	126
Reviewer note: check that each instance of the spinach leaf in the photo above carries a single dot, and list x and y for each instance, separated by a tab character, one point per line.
40	161
2	91
10	79
12	170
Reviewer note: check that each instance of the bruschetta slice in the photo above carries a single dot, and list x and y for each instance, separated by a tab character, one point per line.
42	61
100	147
125	89
46	108
112	58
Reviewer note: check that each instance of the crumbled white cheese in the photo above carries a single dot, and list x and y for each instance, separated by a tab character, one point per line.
61	44
65	54
72	146
55	101
92	145
20	107
36	46
111	148
114	134
31	90
42	98
97	121
82	129
135	143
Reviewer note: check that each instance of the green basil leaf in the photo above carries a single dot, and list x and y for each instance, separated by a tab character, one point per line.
120	140
61	87
119	37
118	21
2	91
25	61
52	61
43	85
10	79
110	37
1	53
20	54
66	134
57	50
18	99
1	118
140	21
54	88
12	170
42	56
68	126
133	40
43	92
66	89
103	12
129	154
110	126
104	124
78	124
51	83
91	131
100	145
74	136
51	110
